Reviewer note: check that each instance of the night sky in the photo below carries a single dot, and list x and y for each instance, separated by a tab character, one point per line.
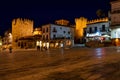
47	11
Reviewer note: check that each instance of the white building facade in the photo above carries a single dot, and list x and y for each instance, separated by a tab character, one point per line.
98	30
58	34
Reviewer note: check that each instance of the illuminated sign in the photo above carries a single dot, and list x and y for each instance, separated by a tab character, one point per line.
94	34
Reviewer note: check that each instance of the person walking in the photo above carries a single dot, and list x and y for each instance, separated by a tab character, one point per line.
38	48
10	49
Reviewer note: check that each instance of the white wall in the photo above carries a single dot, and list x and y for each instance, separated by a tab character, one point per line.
115	33
60	31
99	27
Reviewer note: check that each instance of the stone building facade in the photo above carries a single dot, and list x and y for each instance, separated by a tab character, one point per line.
21	28
81	23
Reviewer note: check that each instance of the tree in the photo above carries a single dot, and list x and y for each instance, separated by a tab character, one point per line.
100	13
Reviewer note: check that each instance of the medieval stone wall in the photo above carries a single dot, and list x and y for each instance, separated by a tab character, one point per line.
21	28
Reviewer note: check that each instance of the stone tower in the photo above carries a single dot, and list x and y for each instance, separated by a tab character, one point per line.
81	23
21	28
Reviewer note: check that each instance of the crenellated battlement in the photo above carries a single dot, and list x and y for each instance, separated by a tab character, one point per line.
97	20
62	22
21	21
80	25
20	28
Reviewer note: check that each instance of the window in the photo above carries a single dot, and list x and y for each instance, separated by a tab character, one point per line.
19	44
47	29
54	36
103	27
64	32
46	37
54	29
90	30
68	32
43	30
95	29
43	37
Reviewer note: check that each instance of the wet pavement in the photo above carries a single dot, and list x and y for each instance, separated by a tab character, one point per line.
60	64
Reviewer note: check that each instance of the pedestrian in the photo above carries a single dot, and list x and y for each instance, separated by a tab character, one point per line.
38	48
10	49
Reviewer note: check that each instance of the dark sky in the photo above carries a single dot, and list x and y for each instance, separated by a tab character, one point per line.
47	11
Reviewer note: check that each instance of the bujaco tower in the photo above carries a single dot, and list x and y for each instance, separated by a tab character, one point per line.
21	28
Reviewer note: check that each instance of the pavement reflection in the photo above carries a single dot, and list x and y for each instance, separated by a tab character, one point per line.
61	64
100	52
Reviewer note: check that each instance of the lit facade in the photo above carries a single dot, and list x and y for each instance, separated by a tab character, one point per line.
37	31
0	42
38	37
58	33
115	21
21	28
62	22
7	39
81	23
98	29
31	41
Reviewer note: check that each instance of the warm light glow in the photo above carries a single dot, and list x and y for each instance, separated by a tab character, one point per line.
81	23
51	45
43	44
37	31
117	41
0	43
68	42
62	22
56	44
37	43
40	43
10	37
98	20
47	44
21	28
